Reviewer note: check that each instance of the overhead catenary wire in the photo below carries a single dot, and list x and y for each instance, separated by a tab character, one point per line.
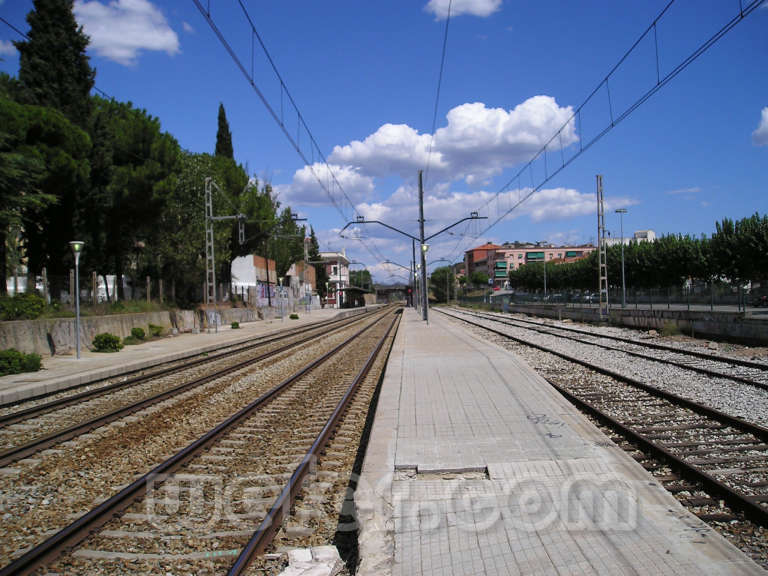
576	117
437	94
279	117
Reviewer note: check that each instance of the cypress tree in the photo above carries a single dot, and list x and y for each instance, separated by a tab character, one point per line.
53	67
224	136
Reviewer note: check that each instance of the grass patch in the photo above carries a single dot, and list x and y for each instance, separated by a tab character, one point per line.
235	325
294	316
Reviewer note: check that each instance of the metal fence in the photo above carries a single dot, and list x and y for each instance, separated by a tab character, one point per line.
697	297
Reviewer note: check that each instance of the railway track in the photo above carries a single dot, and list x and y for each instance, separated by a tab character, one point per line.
725	455
42	494
697	383
20	410
44	426
736	369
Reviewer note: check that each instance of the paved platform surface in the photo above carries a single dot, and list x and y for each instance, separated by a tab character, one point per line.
477	466
63	371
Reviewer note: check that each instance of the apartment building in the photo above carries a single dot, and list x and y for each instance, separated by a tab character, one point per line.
498	261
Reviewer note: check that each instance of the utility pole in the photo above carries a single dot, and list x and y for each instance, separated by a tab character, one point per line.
621	212
424	301
210	261
602	249
307	295
413	274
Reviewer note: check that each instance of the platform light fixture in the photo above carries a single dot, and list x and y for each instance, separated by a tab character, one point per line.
77	248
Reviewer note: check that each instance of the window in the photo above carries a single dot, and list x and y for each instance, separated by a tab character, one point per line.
559	254
519	256
550	254
334	270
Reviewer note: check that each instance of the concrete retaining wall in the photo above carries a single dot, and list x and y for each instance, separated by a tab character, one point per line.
720	325
57	335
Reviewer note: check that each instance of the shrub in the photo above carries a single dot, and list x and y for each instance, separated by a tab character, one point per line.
32	362
130	341
235	325
670	329
155	331
137	333
26	306
14	362
106	342
294	316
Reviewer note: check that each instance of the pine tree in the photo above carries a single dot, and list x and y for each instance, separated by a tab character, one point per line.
53	67
224	136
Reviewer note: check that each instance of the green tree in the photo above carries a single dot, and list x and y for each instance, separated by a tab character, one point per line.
53	67
138	164
361	279
478	278
442	279
287	244
224	136
321	274
21	172
45	170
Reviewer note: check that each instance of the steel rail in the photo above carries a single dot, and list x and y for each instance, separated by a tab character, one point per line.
22	451
269	527
657	346
750	427
699	369
14	417
751	509
77	531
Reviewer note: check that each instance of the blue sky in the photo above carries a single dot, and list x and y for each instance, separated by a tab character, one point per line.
364	75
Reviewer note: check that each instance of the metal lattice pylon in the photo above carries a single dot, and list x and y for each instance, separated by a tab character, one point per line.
602	249
210	264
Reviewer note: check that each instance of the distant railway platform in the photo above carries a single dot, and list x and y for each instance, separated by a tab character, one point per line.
61	372
476	465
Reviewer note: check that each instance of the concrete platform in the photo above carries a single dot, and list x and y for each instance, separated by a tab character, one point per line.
477	466
65	371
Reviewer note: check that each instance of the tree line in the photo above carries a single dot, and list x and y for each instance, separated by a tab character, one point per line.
737	253
77	166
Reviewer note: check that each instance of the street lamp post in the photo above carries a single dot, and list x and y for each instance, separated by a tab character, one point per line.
621	212
421	239
77	247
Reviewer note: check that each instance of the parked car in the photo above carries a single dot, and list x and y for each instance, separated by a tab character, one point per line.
590	297
760	301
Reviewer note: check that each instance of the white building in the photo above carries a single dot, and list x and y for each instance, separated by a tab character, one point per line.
337	269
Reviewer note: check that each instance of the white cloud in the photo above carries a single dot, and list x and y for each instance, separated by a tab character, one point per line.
482	8
187	27
121	29
7	48
477	142
481	141
760	136
392	149
305	190
686	191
